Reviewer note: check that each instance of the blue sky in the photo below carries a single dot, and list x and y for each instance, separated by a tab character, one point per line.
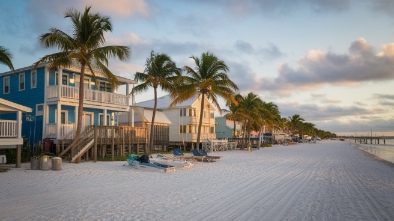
331	61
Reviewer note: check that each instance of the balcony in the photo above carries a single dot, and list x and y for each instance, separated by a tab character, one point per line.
91	97
9	134
65	129
8	129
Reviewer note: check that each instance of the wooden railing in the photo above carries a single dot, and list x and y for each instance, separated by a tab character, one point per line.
65	129
70	92
8	128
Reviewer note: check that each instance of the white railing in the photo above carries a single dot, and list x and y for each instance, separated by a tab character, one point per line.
90	95
65	129
8	128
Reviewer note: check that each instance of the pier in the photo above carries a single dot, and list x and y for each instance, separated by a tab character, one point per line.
371	139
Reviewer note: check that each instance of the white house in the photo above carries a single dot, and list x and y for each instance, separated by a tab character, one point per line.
185	118
11	130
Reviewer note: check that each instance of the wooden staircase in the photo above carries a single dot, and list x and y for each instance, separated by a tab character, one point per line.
78	147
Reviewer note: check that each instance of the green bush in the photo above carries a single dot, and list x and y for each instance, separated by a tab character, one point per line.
265	145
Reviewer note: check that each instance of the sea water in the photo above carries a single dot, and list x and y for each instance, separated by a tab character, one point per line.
384	151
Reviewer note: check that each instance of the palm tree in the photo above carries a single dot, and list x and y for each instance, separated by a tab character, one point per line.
234	114
160	71
85	47
5	58
295	123
208	79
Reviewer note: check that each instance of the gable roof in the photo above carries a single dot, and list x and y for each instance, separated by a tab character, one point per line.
146	114
165	101
8	106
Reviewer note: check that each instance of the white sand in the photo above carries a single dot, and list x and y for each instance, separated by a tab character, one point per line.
330	180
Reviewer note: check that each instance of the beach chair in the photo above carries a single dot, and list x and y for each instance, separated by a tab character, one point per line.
178	154
203	158
204	153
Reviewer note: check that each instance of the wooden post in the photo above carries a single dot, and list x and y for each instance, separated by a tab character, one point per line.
18	156
95	145
122	133
113	144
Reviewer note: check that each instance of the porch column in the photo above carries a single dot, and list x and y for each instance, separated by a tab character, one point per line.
76	117
19	147
59	81
58	119
105	117
19	121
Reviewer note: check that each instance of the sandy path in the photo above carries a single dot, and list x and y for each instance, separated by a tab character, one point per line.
327	181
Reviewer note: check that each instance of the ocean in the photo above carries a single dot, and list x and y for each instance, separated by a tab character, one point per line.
384	151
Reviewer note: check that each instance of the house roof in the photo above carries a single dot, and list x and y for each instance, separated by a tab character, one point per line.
120	79
8	106
146	114
165	101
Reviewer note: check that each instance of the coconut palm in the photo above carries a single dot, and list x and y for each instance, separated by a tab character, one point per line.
160	72
208	79
234	114
85	47
5	58
295	123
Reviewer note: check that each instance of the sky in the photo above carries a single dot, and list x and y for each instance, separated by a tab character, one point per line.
330	61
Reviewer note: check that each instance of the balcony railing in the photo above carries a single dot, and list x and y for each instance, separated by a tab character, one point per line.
70	92
64	130
8	128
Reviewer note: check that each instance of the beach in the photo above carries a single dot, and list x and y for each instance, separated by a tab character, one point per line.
329	180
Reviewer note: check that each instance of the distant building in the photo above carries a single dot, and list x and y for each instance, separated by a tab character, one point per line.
225	128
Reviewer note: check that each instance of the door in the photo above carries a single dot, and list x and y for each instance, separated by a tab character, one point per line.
87	119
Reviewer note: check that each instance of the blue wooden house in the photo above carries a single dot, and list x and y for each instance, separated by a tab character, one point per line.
53	97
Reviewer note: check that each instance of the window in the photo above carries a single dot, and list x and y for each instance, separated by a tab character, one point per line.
6	85
190	128
63	117
182	112
33	79
101	119
192	112
64	78
86	83
39	110
212	130
105	86
212	115
22	81
182	129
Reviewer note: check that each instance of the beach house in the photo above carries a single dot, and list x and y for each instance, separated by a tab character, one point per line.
11	128
224	128
53	97
184	118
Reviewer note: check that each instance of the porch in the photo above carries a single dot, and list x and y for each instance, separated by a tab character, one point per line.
70	94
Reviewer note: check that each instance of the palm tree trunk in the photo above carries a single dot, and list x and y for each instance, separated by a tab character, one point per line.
148	151
200	123
234	130
80	102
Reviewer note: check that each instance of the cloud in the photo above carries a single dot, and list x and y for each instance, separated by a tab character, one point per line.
313	112
278	8
271	52
120	8
385	99
244	47
318	68
386	6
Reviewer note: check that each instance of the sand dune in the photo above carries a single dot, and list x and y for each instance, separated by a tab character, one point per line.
330	180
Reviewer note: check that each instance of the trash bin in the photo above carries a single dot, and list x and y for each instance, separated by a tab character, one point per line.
34	163
56	163
44	162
